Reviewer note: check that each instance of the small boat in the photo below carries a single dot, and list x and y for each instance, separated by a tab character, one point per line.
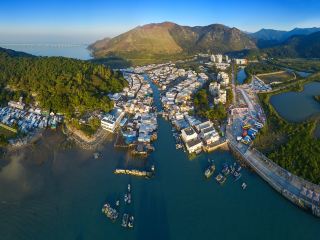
118	203
244	186
209	171
125	219
126	198
226	170
152	168
239	169
232	169
110	212
236	175
220	178
129	187
130	222
129	198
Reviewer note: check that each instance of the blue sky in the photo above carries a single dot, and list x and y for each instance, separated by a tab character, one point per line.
85	21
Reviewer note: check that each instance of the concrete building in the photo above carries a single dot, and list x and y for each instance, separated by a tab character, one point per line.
219	58
188	134
19	105
213	58
214	88
241	61
111	121
194	145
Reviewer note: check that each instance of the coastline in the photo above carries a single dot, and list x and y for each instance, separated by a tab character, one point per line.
84	141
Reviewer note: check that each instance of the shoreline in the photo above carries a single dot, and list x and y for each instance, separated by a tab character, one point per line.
84	141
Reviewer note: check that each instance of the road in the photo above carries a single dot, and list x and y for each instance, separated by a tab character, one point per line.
234	92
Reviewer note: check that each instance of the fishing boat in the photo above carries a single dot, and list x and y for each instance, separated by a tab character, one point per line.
130	222
209	171
110	212
236	175
232	169
125	219
220	178
226	170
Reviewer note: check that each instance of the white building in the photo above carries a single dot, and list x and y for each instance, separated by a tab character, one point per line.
221	98
214	88
219	58
194	145
213	58
188	134
111	121
241	61
223	77
18	105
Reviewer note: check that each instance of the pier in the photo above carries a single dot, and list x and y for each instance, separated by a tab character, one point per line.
297	190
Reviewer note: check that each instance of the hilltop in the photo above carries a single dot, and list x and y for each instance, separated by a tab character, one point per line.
168	39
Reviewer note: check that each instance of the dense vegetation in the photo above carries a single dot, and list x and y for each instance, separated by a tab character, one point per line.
299	64
89	128
112	62
297	46
58	84
202	106
293	146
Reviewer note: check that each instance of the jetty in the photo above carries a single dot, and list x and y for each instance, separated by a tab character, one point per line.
297	190
134	172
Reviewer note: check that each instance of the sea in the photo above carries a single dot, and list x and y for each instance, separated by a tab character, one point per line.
56	190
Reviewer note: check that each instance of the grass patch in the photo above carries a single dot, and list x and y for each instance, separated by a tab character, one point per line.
299	64
277	77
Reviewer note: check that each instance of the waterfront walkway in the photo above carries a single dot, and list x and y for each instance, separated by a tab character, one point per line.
297	190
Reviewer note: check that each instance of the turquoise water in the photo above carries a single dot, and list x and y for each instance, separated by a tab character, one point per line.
298	106
78	51
47	192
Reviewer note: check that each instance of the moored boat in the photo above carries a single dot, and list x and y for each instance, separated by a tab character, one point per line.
125	219
226	170
236	175
209	171
220	178
130	222
110	212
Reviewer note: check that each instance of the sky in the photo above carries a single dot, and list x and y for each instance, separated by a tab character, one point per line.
80	21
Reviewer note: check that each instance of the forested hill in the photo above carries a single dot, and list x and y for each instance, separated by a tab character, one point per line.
58	84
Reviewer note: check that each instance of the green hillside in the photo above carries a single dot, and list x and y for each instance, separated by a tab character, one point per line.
56	83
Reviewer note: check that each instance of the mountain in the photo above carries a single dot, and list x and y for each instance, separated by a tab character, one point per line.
305	46
165	39
12	53
270	37
269	34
